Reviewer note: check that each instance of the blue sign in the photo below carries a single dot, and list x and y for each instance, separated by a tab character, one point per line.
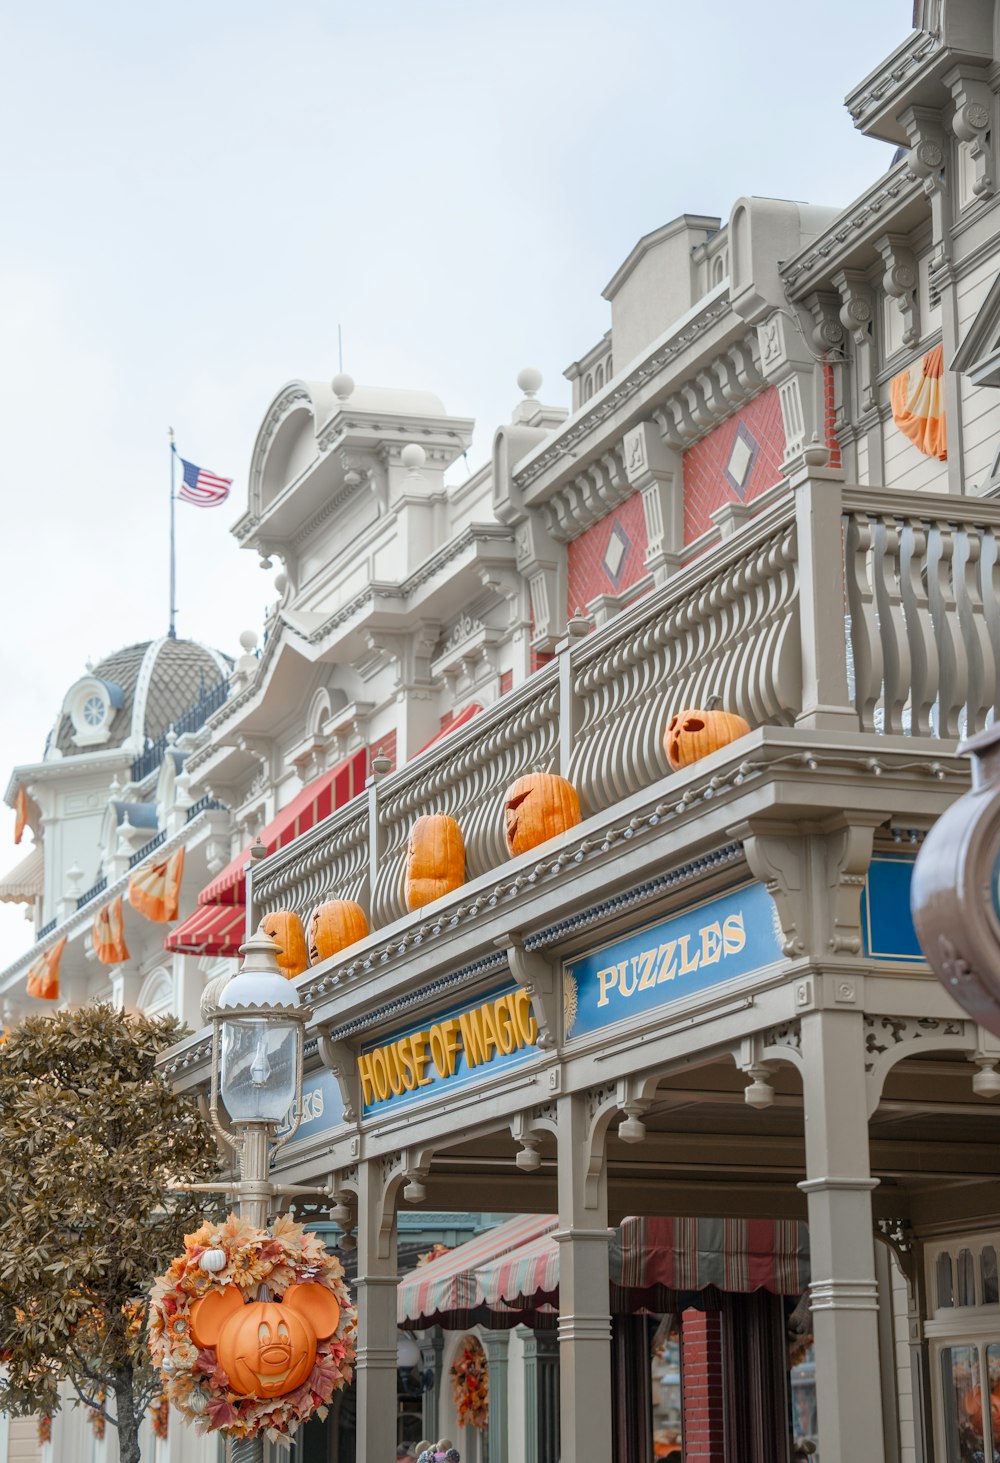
459	1048
886	920
322	1106
734	934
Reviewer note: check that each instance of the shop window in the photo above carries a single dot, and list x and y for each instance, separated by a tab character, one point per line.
668	1425
945	1291
966	1279
965	1436
991	1289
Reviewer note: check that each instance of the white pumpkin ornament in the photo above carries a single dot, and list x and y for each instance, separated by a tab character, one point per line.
213	1261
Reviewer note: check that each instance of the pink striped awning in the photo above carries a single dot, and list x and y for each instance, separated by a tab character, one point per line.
653	1256
446	1292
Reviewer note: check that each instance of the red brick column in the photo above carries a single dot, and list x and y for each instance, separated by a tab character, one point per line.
701	1375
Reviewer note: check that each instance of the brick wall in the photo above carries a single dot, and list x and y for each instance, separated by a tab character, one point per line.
750	446
506	682
830	414
701	1373
596	566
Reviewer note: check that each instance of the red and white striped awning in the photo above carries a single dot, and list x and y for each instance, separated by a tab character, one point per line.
213	929
653	1261
446	1291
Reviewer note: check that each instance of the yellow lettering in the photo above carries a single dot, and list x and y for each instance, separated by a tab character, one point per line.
491	1042
506	1035
418	1052
527	1026
471	1026
449	1030
406	1064
711	944
734	936
666	969
391	1056
687	964
365	1076
380	1076
608	977
623	985
648	960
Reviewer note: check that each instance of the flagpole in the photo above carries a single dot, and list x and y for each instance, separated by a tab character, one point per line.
173	537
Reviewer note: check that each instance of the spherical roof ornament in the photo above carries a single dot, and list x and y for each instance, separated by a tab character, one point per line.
413	457
248	641
529	379
342	386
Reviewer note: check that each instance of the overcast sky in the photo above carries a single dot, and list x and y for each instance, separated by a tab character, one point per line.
195	195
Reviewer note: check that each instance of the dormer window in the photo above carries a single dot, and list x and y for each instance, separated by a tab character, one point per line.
91	706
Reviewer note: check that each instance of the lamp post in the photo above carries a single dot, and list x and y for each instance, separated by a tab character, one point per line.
257	1047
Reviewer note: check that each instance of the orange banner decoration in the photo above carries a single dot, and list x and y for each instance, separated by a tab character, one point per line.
43	973
919	413
109	934
20	814
154	889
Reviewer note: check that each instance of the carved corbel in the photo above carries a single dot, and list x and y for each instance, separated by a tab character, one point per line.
540	979
926	161
656	472
777	859
856	314
971	123
847	854
790	365
828	328
900	281
692	393
744	356
602	1104
338	1058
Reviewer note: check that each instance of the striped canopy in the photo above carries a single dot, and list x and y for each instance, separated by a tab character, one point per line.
656	1264
446	1291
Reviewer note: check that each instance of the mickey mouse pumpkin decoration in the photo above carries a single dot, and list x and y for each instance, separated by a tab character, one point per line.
265	1349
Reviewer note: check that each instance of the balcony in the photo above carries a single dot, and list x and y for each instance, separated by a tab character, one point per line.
838	610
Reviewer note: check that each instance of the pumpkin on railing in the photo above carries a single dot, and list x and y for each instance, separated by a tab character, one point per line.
435	860
285	928
537	807
696	733
334	926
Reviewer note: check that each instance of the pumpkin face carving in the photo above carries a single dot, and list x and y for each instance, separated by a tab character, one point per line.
435	859
333	926
538	807
694	734
265	1348
285	928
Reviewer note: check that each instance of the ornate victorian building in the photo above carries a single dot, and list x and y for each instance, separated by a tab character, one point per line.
694	1035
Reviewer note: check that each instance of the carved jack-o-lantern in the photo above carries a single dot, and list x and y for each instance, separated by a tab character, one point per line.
693	734
333	926
435	859
538	807
265	1348
285	928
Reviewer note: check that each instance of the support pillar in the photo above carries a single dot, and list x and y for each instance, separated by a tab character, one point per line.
375	1289
584	1315
703	1396
838	1185
432	1352
495	1344
541	1395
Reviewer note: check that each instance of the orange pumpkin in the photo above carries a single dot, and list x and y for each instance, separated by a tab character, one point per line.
693	734
333	926
538	807
265	1348
285	928
435	859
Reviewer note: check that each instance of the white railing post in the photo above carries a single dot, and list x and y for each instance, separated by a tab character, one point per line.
822	601
577	626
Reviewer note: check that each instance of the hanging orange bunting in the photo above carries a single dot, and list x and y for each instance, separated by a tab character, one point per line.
20	814
109	934
918	411
154	889
43	973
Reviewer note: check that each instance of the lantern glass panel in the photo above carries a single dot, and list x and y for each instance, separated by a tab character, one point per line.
259	1068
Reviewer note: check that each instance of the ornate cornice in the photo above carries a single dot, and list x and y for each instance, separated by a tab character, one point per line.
869	216
897	70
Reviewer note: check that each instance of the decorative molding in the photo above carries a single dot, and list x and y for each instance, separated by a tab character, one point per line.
877	90
871	212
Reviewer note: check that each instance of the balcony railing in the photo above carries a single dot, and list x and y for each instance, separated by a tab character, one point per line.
147	848
204	805
836	608
189	721
47	928
92	893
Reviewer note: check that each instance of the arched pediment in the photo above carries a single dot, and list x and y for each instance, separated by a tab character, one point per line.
286	440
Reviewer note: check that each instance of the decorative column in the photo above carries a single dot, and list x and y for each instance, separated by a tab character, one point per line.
656	471
376	1300
495	1344
432	1354
702	1395
838	1184
584	1315
541	1395
819	531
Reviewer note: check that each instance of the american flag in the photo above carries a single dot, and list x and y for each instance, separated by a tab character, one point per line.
201	487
